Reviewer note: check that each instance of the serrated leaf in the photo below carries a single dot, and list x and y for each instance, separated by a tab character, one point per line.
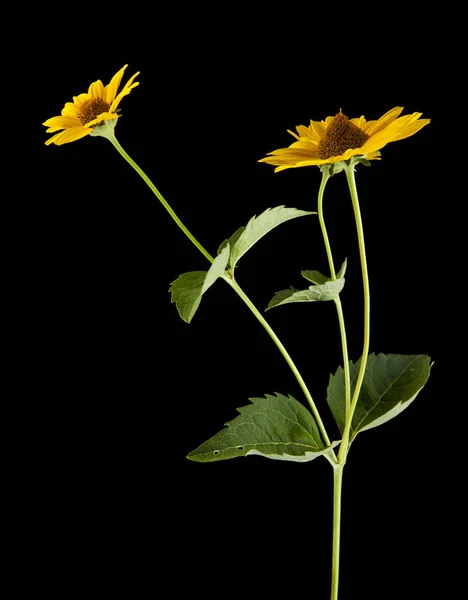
315	293
318	278
391	382
188	288
259	226
277	427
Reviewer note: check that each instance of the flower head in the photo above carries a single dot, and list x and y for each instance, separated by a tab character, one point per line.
80	117
339	138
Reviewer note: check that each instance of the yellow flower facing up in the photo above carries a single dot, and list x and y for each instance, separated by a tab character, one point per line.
89	110
339	138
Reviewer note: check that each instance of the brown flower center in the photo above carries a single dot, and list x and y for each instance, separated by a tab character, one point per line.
341	135
92	110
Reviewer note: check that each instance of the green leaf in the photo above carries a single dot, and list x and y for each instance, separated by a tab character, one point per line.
318	278
217	268
315	293
186	292
364	162
188	288
315	277
391	382
277	427
259	226
232	240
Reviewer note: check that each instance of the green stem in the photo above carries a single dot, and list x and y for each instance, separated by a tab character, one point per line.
344	349
323	183
339	308
337	487
337	468
258	315
111	137
349	170
160	197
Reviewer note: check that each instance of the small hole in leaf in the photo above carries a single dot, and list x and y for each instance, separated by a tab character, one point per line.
216	452
240	447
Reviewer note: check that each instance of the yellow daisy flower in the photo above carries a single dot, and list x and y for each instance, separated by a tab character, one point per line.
89	110
339	138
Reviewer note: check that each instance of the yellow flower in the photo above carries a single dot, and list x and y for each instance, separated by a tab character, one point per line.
339	138
89	110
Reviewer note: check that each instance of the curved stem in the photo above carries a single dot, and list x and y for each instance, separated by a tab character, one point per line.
337	487
344	350
339	308
258	315
323	183
349	170
160	197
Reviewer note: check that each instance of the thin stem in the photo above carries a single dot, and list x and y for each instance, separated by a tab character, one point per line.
160	197
258	315
349	170
337	487
344	350
323	183
339	308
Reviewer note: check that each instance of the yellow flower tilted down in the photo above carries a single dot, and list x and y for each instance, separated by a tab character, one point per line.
89	110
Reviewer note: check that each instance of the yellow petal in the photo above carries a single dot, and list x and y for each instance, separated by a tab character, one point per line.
283	167
373	127
411	129
306	133
294	134
359	122
69	135
379	140
106	116
96	90
318	130
126	90
81	99
309	152
70	110
312	162
113	85
307	145
57	123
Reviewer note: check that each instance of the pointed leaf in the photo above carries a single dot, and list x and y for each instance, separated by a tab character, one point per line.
317	277
363	161
277	427
391	382
342	271
315	293
188	288
259	226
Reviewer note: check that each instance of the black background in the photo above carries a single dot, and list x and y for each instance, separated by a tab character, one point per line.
124	389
